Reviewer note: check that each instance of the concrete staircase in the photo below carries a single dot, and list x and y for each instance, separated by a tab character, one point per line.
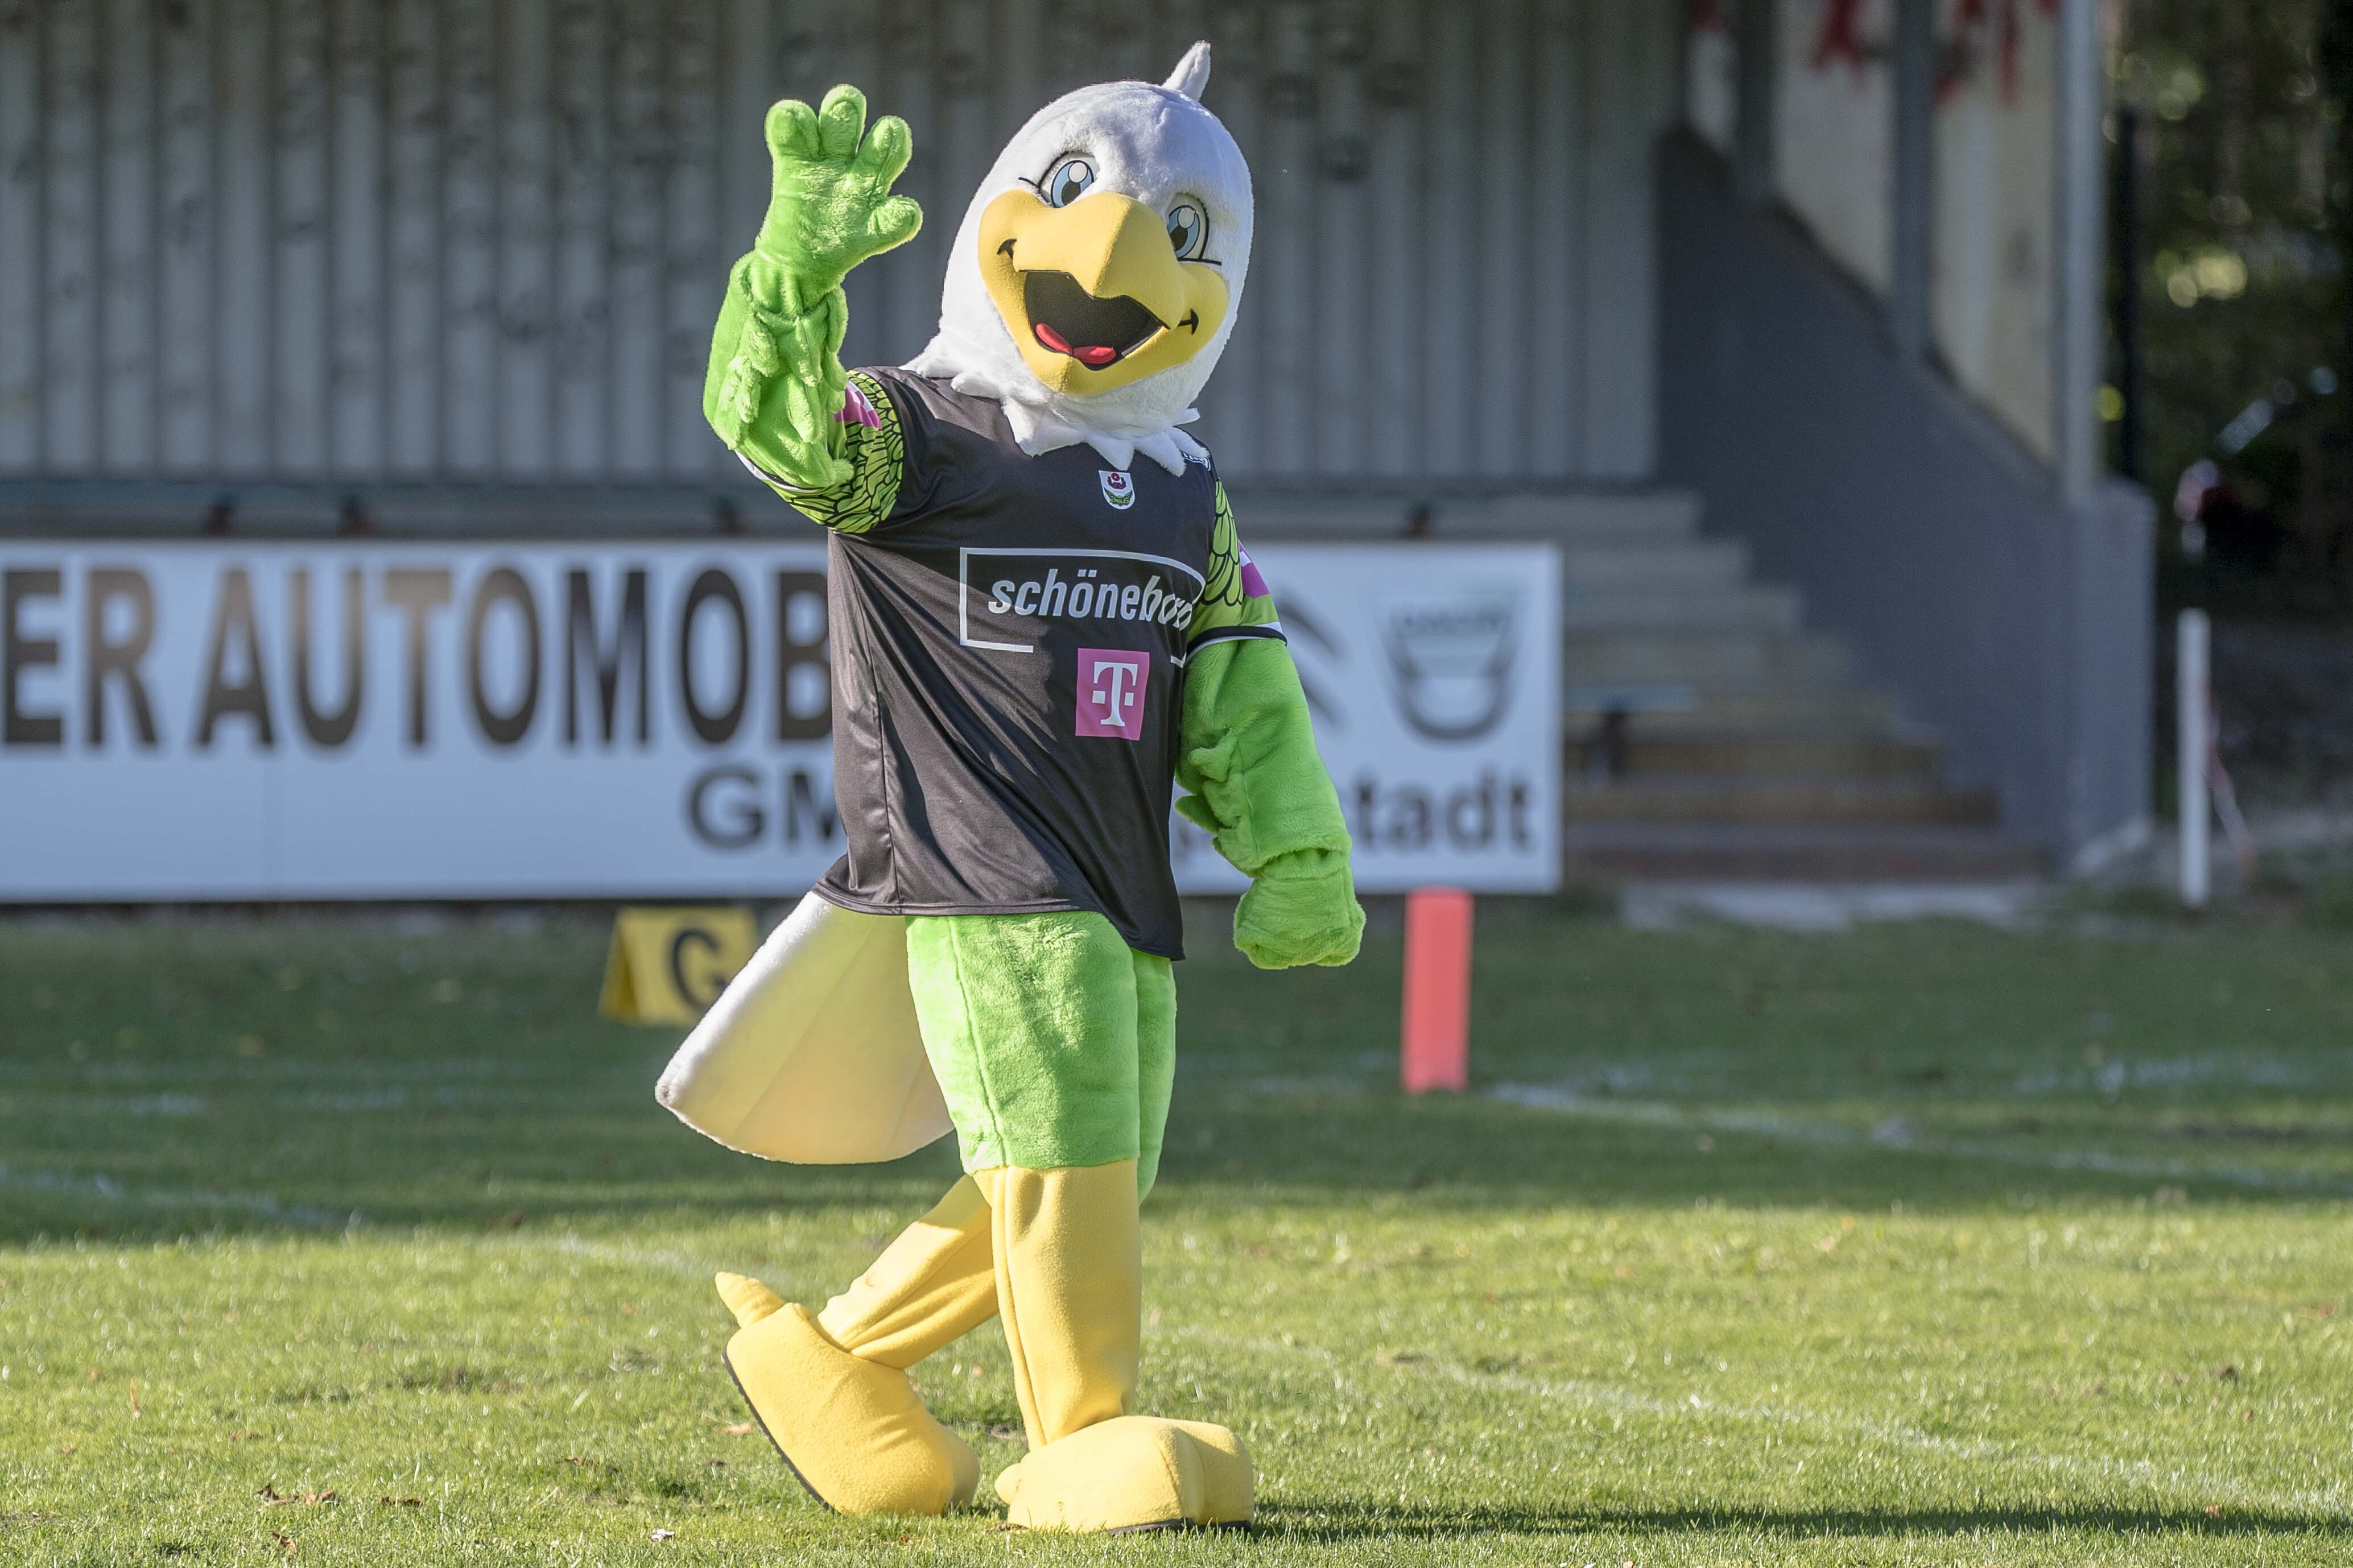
1710	735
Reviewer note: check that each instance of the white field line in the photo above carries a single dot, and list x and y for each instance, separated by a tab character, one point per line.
572	1244
477	1083
316	1101
2193	1486
1584	1392
275	1073
106	1189
2165	1072
1898	1136
1895	1136
1700	1072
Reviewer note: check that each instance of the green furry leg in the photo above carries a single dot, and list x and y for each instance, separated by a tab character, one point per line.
1054	1044
1156	1062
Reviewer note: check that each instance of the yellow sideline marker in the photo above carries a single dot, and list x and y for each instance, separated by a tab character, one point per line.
666	965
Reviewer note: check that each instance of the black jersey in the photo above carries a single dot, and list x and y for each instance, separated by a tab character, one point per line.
1010	637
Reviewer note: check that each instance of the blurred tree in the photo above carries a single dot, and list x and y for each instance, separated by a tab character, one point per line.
2247	320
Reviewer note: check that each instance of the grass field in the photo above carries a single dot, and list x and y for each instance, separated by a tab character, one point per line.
365	1243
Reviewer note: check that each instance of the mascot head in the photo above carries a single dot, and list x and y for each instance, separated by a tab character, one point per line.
1094	280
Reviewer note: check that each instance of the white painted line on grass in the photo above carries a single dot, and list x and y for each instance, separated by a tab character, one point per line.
181	1105
106	1189
1894	1135
1826	907
572	1244
2197	1488
1589	1393
274	1073
1899	1136
2114	1077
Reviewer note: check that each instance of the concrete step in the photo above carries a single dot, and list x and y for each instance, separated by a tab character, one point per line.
1829	712
1665	708
1653	568
1788	852
1765	798
1647	517
1711	610
1821	710
1745	659
1747	749
1263	515
1779	756
1632	517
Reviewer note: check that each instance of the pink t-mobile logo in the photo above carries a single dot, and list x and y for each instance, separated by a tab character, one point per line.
1111	692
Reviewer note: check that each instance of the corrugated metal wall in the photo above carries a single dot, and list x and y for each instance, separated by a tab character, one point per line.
484	239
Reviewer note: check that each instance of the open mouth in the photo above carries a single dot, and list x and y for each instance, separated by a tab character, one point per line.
1067	319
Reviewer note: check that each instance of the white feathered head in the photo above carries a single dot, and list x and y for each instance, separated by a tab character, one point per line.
1094	280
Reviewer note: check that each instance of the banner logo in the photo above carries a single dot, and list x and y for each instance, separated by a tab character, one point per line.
1111	692
1446	659
1451	660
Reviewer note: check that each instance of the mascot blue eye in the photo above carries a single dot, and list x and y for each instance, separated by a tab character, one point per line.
1189	230
1067	181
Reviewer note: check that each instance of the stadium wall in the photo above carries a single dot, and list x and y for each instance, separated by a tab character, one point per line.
2011	620
465	242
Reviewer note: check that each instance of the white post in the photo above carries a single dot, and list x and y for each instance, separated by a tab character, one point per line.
2191	711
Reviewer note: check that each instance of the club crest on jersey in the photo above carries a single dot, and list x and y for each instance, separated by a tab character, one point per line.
1118	490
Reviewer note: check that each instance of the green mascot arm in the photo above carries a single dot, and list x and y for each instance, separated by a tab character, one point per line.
775	389
1247	754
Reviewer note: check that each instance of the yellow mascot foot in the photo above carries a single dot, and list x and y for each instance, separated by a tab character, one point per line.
855	1433
1133	1472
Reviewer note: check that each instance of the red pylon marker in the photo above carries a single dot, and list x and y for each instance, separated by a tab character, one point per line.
1437	1014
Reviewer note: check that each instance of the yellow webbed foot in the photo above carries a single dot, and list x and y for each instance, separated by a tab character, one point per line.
854	1432
746	1298
1134	1472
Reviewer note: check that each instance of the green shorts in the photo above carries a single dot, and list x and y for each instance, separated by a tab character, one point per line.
1054	1042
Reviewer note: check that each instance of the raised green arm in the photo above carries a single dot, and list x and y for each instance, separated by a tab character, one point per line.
775	388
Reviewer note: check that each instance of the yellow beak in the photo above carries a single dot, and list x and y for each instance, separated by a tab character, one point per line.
1093	293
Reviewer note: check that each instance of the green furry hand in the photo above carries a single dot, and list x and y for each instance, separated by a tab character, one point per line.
773	391
829	205
1300	909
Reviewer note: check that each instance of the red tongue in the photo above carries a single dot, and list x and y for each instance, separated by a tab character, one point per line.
1094	356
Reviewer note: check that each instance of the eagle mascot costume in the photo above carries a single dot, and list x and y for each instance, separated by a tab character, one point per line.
1043	623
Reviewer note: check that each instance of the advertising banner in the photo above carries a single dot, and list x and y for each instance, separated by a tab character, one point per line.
1434	674
226	720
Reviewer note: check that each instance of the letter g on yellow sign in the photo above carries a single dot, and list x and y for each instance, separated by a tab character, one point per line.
667	965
